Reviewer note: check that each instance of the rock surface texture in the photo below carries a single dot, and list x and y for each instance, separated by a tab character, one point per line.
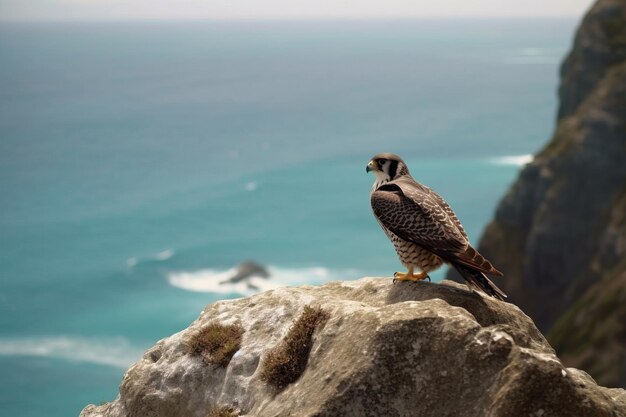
383	349
559	235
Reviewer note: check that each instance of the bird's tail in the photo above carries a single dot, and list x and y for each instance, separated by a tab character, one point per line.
478	280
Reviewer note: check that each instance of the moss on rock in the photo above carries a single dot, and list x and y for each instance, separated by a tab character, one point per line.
285	363
216	343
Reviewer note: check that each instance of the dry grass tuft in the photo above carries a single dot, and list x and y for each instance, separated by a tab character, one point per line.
287	361
221	411
216	343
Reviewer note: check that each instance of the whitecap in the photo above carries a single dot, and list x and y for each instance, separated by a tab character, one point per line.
533	55
215	281
164	255
534	60
517	160
116	351
251	186
158	256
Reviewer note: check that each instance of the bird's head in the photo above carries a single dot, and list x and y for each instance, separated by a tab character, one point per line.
387	167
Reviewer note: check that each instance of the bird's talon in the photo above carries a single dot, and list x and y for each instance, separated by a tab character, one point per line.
409	276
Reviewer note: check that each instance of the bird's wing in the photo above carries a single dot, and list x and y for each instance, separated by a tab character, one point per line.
443	204
416	214
412	214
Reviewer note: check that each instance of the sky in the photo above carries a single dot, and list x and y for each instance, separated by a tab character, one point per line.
282	9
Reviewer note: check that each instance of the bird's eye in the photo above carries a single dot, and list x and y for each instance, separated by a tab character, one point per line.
382	161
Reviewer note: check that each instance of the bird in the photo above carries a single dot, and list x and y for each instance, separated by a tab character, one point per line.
424	230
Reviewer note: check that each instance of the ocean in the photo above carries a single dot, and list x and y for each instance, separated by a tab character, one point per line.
140	162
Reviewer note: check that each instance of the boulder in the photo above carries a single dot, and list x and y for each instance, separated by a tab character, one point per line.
380	349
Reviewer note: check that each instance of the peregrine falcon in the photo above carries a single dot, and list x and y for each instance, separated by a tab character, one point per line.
423	228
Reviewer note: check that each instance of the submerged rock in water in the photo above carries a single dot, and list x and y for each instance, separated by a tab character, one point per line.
372	348
247	270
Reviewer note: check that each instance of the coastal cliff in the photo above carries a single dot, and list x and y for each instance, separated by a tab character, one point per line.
359	348
559	235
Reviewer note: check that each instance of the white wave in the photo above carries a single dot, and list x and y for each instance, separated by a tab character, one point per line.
164	255
210	280
158	256
251	186
517	160
116	351
534	60
531	55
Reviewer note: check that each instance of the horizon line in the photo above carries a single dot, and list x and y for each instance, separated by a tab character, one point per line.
283	18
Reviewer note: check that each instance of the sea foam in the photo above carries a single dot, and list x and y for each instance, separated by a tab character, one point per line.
517	160
158	256
535	56
116	351
215	281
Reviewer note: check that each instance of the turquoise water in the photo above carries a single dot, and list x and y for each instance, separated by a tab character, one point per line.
139	162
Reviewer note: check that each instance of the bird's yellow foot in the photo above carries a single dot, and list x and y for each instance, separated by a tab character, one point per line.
399	276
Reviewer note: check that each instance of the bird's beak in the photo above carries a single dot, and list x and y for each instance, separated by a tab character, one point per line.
371	166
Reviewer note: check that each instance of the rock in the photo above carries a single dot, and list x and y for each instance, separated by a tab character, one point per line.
599	45
560	230
382	350
245	271
591	335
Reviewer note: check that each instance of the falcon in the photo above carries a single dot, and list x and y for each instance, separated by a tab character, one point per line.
423	228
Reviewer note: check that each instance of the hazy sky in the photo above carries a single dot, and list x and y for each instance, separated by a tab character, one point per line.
263	9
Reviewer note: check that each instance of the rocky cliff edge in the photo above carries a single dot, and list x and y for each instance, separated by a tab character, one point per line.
359	348
559	235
